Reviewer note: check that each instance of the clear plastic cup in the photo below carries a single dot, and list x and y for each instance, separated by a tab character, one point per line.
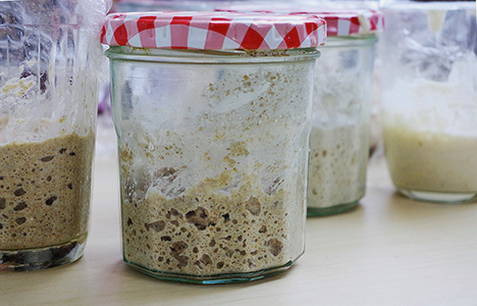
429	62
48	98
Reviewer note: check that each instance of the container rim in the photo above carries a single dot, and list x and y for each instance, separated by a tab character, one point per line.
181	56
351	41
431	5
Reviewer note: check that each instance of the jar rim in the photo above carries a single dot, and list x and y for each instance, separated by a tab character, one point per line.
211	56
351	41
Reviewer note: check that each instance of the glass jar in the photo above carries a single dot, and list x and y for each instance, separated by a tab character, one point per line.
339	141
342	100
430	100
47	124
213	148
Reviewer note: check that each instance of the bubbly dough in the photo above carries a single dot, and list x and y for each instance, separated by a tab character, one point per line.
45	191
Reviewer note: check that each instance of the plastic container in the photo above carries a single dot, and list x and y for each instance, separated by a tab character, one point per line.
430	99
47	124
156	5
213	141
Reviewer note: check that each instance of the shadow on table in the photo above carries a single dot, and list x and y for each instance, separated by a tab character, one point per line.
402	206
133	286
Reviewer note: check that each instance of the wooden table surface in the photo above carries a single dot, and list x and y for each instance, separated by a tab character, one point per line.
391	251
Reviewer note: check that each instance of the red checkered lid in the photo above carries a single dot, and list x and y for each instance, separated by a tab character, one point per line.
339	23
213	31
348	23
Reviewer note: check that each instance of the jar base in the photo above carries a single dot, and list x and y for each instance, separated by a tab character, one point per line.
332	210
42	258
215	279
439	197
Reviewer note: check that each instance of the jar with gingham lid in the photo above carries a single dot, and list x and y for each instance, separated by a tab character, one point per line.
339	140
342	105
213	115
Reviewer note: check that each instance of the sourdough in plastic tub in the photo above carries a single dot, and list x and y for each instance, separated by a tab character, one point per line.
47	122
429	111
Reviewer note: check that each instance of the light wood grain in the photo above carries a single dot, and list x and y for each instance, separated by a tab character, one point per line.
391	251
